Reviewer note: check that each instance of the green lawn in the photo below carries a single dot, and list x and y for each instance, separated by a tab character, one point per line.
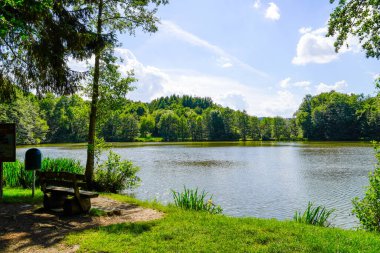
189	231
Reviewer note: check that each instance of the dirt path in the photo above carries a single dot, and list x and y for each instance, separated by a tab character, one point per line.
25	228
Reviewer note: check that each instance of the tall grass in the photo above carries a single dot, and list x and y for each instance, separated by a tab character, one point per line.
317	216
192	200
15	174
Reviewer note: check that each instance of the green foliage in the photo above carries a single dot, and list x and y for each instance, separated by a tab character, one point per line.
168	126
192	200
367	209
358	18
321	116
115	175
36	40
317	216
25	112
15	174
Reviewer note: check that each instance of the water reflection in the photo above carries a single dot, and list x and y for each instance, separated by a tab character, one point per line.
263	179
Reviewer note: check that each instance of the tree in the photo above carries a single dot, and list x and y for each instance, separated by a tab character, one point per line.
216	126
110	17
168	126
183	128
68	120
36	40
255	128
357	18
243	124
280	129
266	128
25	112
147	125
303	117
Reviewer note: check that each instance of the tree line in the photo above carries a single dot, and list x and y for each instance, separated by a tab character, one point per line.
62	119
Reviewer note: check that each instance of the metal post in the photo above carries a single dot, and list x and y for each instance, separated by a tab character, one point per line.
34	183
1	180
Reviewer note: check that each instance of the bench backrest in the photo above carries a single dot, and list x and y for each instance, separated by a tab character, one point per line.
65	179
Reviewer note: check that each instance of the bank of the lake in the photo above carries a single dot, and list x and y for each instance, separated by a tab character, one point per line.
189	231
259	179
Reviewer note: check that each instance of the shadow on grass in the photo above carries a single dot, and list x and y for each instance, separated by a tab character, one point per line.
131	228
28	226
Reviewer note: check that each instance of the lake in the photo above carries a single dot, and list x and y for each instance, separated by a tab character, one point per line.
261	179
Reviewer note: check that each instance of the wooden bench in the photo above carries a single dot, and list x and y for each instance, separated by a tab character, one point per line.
63	190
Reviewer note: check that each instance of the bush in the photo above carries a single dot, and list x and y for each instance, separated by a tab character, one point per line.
367	210
115	175
314	215
15	174
191	200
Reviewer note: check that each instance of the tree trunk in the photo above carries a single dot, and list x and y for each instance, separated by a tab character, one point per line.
94	103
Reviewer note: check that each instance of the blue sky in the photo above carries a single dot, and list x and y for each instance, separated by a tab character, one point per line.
261	56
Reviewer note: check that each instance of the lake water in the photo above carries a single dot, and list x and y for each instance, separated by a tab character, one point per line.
261	179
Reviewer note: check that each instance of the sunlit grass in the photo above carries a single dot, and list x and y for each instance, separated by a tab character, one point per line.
18	195
192	231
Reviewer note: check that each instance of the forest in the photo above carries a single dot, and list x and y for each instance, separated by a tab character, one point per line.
64	119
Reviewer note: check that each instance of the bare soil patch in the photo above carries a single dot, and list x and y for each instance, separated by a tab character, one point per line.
29	228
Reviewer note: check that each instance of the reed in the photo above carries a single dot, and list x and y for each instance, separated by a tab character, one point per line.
317	216
15	174
193	200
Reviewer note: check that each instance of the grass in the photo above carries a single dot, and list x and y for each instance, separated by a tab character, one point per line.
191	231
17	195
317	216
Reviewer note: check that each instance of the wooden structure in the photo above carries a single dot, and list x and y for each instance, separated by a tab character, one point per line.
64	190
7	148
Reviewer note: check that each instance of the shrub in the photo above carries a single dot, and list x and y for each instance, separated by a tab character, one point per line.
367	210
314	215
191	200
115	175
15	174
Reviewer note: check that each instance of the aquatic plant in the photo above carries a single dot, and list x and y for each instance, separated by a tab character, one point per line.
192	200
314	215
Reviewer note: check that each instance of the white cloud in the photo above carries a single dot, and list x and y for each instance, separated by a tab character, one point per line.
173	29
304	30
154	82
273	12
285	83
257	4
235	101
300	84
375	76
315	47
224	62
338	86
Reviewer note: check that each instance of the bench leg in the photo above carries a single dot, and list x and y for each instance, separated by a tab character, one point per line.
73	206
54	200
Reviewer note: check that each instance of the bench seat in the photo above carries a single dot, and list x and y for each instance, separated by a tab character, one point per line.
70	191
